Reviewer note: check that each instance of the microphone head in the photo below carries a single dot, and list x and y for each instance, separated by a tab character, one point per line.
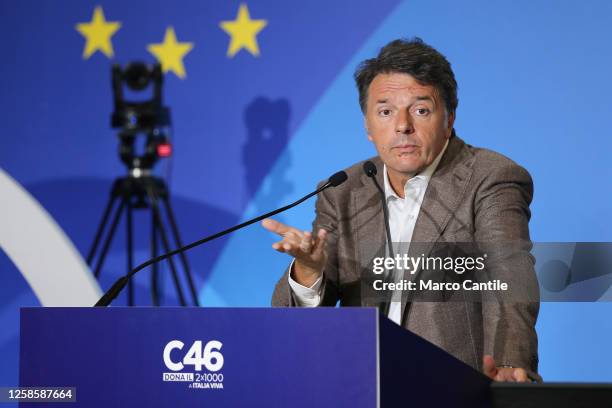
337	178
369	169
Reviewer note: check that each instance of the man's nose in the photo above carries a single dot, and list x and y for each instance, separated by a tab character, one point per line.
404	122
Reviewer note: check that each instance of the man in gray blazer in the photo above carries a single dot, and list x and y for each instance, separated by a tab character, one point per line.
437	189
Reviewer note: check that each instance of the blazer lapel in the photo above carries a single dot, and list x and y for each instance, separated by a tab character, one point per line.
445	191
368	227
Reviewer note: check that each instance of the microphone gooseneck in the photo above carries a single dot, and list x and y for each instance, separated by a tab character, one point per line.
335	180
370	170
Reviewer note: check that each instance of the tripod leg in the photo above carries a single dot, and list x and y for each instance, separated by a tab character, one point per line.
154	270
166	245
183	256
100	230
109	238
130	260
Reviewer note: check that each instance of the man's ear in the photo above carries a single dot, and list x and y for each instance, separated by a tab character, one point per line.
449	124
367	129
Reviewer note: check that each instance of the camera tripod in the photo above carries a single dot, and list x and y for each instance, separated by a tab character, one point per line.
143	192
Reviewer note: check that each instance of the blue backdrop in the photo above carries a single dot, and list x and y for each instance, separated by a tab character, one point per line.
257	126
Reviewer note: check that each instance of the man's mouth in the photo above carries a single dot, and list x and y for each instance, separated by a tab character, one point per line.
406	148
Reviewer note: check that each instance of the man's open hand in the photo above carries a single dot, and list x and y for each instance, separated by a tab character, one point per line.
309	253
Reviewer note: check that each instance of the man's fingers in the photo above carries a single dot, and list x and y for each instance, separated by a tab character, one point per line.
292	250
520	375
295	238
301	242
488	366
510	374
290	236
502	376
306	244
275	226
296	243
321	233
505	374
285	247
279	246
319	245
283	230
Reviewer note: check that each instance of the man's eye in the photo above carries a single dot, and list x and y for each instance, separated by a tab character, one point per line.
385	112
422	111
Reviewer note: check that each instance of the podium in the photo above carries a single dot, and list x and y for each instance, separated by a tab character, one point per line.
239	357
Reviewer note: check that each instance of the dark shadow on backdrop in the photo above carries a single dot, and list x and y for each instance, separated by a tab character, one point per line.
267	124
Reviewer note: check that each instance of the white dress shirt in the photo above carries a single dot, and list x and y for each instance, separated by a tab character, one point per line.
403	213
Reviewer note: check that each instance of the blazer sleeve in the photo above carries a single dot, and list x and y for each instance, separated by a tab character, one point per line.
326	218
501	216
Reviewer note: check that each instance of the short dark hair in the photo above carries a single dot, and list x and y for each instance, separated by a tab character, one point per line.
415	58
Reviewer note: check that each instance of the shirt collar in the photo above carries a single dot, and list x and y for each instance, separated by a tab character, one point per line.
425	175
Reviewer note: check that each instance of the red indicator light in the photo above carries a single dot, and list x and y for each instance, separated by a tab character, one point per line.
164	150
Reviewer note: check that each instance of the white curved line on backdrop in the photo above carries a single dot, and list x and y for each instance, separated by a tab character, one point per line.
40	249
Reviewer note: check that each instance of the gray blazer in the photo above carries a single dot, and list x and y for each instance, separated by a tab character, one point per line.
474	195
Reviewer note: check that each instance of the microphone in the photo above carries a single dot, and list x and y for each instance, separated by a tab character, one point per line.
370	170
334	181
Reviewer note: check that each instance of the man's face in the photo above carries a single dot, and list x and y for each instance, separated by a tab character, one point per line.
407	122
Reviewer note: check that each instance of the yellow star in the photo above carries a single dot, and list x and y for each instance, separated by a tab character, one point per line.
170	53
98	33
243	31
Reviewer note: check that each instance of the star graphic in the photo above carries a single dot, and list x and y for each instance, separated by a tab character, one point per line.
98	33
243	32
171	53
